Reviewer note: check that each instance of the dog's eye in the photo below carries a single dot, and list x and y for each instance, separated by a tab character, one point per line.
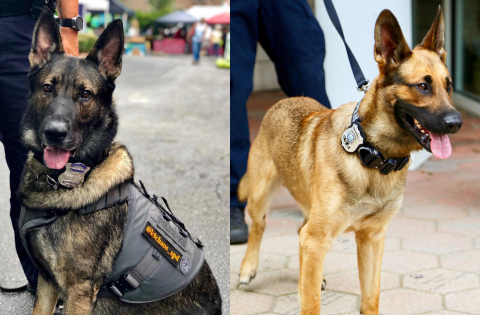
423	87
449	85
47	88
86	94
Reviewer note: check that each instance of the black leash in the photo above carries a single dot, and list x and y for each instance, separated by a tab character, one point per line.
354	138
362	83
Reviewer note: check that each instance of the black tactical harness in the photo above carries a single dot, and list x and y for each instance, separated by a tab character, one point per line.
354	138
158	258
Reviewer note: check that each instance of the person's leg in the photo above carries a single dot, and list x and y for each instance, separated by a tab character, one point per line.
243	51
196	50
293	39
15	39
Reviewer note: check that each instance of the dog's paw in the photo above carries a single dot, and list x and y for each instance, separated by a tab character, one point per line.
246	277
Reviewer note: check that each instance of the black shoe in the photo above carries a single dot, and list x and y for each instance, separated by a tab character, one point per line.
32	288
13	289
238	227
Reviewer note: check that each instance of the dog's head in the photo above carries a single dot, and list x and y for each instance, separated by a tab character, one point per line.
417	84
70	108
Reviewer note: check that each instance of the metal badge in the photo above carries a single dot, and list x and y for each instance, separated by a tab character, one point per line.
351	138
74	175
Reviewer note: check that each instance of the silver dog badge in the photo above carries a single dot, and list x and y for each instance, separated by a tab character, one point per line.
74	175
351	139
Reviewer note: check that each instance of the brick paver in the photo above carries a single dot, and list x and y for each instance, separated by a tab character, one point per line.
431	261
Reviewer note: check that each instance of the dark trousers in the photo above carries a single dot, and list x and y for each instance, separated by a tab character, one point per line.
15	40
293	39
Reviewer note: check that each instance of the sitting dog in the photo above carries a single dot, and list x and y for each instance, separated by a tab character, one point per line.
80	208
347	167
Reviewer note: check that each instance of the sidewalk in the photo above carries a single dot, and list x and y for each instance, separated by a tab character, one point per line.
431	263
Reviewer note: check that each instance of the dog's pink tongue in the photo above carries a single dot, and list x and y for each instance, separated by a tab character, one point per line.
55	157
440	145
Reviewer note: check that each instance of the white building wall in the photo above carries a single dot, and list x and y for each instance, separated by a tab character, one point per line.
358	23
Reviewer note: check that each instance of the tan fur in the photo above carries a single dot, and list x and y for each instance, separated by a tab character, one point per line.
298	145
116	169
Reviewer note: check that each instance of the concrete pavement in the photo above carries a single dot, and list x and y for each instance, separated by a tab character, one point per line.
431	263
174	119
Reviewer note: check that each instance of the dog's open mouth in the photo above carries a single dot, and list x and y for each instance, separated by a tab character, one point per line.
438	144
55	157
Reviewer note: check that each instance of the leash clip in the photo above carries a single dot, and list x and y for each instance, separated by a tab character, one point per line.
364	87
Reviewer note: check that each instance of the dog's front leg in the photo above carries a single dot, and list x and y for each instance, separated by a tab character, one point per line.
315	240
81	298
45	299
370	243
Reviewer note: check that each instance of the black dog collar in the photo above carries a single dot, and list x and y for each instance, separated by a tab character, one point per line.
354	139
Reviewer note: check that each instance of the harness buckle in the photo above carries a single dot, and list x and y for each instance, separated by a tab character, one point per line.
403	163
111	286
370	157
388	166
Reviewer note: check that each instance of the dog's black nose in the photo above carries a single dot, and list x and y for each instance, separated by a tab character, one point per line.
55	131
453	122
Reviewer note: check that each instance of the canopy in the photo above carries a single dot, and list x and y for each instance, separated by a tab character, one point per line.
116	7
208	11
181	16
222	18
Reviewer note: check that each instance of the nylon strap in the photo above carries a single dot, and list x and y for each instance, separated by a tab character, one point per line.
357	71
144	268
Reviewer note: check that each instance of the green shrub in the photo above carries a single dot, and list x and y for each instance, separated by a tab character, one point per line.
86	42
147	19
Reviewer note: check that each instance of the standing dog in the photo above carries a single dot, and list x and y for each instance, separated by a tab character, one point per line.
408	107
71	115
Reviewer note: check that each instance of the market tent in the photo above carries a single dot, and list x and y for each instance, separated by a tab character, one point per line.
208	11
181	16
116	7
222	18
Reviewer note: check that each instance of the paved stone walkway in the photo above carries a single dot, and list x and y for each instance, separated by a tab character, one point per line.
431	263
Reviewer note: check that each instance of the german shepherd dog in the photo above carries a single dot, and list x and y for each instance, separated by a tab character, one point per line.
408	107
71	113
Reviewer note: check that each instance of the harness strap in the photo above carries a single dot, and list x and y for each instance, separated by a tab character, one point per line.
362	83
134	278
117	195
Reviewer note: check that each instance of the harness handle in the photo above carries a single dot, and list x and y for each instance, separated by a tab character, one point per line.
362	83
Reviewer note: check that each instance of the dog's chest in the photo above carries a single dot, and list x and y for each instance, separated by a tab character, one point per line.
382	198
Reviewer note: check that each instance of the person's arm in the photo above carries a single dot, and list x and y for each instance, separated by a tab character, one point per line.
68	9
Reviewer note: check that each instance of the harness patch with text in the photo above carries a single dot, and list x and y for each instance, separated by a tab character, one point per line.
162	245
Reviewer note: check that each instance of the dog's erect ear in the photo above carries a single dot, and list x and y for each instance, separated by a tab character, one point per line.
390	45
108	50
435	38
46	39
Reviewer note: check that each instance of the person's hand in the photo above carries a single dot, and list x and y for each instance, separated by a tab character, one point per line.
69	40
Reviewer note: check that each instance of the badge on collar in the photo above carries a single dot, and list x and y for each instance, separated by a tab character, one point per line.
74	175
352	138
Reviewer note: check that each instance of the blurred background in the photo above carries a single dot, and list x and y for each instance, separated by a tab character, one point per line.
157	27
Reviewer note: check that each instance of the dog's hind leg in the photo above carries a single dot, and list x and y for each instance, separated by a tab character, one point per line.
80	298
263	181
45	299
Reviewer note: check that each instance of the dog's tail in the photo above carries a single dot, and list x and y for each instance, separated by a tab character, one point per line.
243	188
